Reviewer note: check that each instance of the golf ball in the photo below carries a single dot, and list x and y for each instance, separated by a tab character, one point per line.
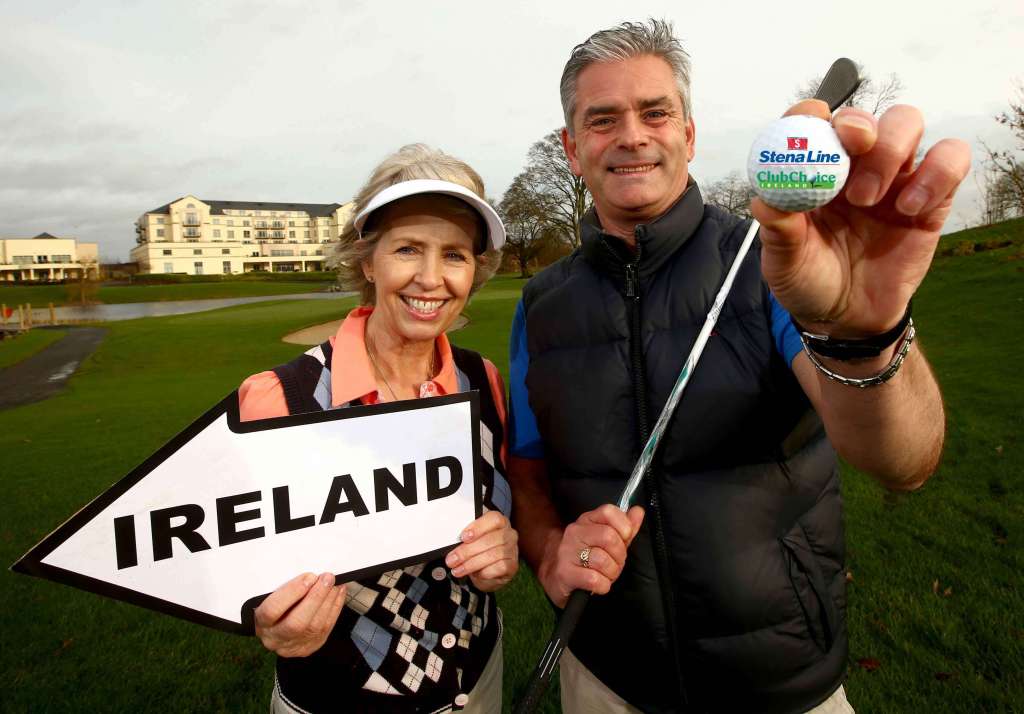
797	164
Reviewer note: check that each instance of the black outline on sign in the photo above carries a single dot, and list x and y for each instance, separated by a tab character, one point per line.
31	563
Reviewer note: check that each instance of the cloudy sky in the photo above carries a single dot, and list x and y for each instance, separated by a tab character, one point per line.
108	109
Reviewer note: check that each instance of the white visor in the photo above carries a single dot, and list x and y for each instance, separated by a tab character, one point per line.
495	228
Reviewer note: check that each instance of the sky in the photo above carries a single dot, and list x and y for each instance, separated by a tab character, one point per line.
111	109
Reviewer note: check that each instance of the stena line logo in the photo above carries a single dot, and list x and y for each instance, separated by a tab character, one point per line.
809	167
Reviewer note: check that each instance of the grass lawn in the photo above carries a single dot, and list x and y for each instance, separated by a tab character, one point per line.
41	295
957	646
15	349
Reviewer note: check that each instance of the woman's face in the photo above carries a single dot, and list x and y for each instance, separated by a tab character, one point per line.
422	268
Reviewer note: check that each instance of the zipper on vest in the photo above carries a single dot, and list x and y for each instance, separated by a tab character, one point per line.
661	561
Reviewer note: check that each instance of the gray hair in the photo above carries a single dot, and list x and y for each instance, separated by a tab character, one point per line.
630	39
415	161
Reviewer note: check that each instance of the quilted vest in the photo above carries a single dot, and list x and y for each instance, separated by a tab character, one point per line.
733	593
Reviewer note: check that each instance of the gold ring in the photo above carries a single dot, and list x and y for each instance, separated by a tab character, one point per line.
584	556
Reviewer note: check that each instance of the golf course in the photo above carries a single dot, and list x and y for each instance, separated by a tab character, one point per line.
935	584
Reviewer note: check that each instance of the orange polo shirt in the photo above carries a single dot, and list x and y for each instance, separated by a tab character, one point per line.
261	395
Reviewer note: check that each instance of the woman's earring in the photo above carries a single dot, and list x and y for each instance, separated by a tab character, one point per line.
370	278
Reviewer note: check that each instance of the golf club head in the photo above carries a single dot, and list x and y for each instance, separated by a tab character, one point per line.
839	84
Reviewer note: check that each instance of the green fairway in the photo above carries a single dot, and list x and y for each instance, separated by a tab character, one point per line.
40	296
954	646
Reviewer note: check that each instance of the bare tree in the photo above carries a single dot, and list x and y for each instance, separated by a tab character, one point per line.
548	178
872	95
732	193
526	226
998	201
1004	171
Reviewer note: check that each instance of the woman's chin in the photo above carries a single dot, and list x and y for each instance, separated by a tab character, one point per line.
419	329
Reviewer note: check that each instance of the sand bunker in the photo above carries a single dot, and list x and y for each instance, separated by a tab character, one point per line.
318	333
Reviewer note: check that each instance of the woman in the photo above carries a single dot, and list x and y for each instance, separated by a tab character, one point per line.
426	638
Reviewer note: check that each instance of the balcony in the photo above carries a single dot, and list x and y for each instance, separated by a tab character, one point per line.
191	219
192	232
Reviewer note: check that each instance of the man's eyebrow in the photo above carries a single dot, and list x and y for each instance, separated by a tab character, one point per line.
599	109
657	102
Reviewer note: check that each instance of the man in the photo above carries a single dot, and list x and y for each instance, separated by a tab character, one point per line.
725	592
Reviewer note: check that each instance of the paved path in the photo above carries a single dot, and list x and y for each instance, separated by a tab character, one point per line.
43	374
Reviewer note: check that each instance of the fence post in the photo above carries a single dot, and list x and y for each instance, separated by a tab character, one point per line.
53	315
28	313
21	317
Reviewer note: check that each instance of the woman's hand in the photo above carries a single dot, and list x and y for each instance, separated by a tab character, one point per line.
489	553
295	619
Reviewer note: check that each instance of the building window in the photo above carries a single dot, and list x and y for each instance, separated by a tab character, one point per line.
159	232
216	232
306	234
231	221
199	267
23	260
245	222
167	252
190	206
227	267
160	220
168	267
291	234
225	251
245	234
291	224
60	258
216	221
231	234
197	251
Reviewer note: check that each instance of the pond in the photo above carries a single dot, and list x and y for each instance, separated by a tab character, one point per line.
132	310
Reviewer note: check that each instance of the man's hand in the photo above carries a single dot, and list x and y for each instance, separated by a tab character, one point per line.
489	553
849	268
295	619
607	532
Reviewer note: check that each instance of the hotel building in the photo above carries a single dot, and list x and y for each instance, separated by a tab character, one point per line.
46	258
202	237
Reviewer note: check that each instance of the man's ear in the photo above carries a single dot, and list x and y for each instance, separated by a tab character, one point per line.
691	139
569	144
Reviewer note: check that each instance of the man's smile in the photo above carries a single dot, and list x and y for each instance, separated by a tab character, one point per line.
630	170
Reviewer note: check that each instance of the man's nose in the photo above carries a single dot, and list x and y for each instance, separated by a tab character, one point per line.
632	132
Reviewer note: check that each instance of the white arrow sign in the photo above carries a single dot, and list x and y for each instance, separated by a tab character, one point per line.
227	511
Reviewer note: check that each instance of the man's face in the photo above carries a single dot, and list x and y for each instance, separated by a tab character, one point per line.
631	143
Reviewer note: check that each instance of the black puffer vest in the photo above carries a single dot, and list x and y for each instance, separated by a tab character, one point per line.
733	594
